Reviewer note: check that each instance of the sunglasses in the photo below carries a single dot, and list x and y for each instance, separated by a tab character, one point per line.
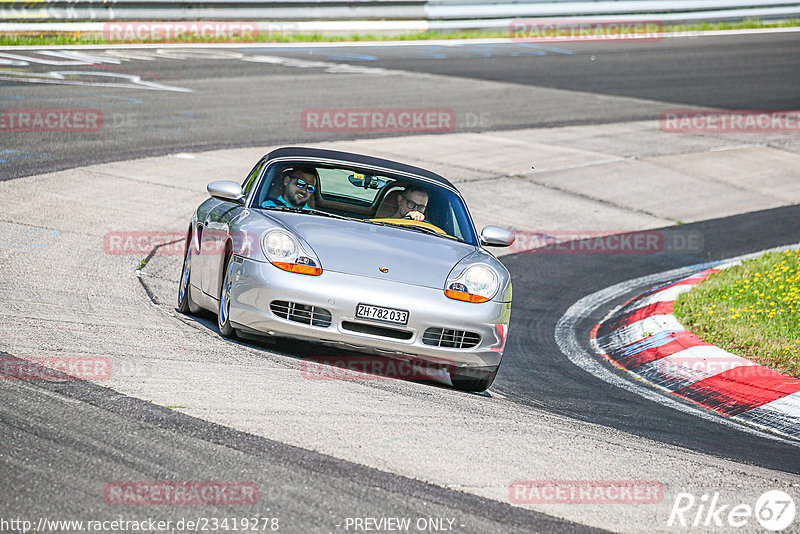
302	184
413	206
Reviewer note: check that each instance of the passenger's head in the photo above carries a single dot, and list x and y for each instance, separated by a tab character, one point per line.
299	183
412	198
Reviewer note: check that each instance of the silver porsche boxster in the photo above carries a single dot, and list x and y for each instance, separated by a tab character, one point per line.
354	251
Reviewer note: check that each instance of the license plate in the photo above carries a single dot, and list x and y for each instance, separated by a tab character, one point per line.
379	313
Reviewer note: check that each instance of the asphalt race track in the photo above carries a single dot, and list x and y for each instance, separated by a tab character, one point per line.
248	97
308	490
63	441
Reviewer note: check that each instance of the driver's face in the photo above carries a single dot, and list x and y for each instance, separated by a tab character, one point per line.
420	198
294	194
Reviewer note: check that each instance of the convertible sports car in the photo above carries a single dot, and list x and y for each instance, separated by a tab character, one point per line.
352	251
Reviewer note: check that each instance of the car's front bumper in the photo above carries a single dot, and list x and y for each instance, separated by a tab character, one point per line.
258	284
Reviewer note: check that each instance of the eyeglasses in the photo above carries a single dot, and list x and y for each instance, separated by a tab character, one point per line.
302	184
413	206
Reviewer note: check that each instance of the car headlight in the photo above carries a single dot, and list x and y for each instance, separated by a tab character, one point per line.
284	252
477	283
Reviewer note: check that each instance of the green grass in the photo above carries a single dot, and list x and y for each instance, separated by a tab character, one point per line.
276	37
752	310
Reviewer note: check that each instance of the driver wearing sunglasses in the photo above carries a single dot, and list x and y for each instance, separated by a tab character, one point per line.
411	204
299	184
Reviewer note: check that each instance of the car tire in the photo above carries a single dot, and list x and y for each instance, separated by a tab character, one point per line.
224	310
476	380
185	303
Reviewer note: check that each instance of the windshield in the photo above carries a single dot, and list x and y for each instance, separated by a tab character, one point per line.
398	201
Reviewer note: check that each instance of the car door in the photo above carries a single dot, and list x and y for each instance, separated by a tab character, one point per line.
217	225
216	229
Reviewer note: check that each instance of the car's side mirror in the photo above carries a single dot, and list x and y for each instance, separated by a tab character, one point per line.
494	236
226	190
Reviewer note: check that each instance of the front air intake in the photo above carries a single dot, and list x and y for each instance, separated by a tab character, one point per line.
375	330
446	337
301	313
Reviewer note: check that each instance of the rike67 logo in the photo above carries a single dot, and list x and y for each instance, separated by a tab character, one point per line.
774	510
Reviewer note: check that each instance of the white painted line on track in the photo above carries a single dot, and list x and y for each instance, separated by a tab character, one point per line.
567	339
332	68
62	78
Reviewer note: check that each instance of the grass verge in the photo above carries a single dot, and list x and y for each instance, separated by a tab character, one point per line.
752	310
70	38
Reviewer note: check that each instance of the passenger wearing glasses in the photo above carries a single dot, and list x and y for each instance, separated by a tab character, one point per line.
299	184
411	204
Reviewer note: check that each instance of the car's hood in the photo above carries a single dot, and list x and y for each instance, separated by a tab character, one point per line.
364	249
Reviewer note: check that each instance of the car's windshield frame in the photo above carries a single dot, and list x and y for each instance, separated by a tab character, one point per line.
470	233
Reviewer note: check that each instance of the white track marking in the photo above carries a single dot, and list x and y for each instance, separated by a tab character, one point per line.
333	68
60	78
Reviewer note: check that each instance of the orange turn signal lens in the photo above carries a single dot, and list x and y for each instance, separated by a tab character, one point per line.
463	295
297	268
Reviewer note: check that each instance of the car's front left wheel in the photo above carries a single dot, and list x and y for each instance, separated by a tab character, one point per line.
185	303
224	312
